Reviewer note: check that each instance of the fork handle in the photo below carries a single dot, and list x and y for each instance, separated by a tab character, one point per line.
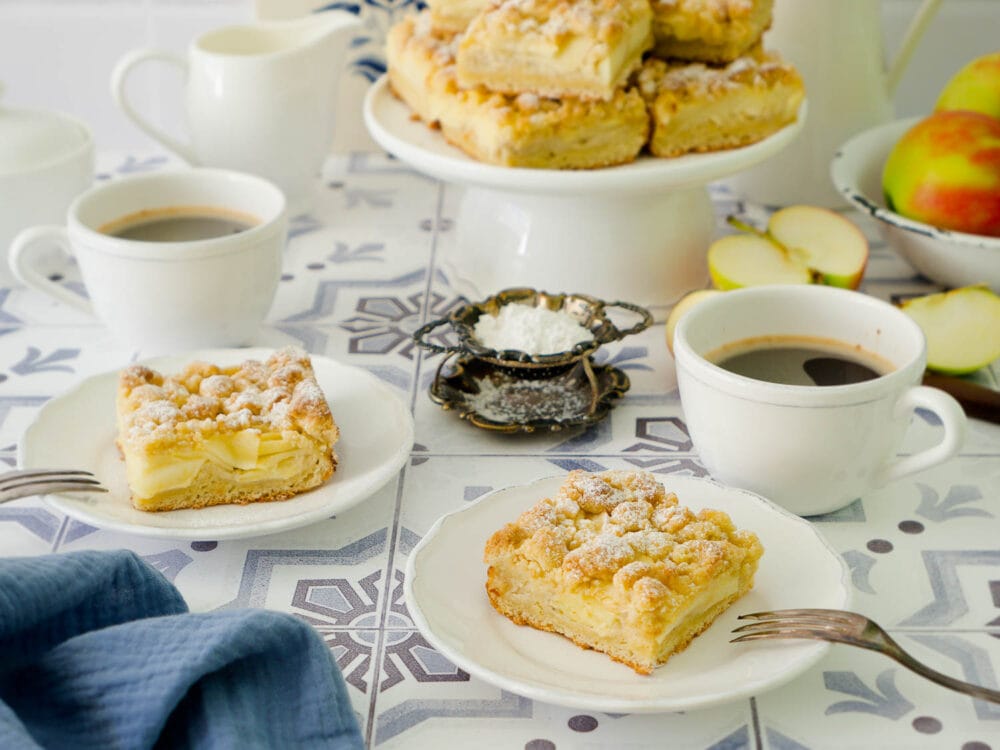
894	651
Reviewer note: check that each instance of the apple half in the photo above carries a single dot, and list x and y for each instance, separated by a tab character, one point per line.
802	245
962	327
684	304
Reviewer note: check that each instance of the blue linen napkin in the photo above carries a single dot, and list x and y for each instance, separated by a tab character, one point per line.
98	650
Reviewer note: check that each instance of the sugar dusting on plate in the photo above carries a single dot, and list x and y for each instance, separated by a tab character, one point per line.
520	401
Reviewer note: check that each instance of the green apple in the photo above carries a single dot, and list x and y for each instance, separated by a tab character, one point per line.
975	87
945	171
739	260
685	303
828	243
802	245
962	327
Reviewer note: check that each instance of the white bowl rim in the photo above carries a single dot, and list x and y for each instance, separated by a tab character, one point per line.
846	183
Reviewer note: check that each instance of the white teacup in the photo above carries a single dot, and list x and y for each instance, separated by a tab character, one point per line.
163	295
810	448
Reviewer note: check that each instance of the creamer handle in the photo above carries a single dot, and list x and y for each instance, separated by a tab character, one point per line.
911	39
118	78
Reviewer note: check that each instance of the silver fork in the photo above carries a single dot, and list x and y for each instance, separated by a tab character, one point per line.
851	628
24	482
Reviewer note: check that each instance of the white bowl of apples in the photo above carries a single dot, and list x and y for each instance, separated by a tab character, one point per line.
933	182
945	256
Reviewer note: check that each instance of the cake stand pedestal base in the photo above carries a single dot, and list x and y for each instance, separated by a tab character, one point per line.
648	248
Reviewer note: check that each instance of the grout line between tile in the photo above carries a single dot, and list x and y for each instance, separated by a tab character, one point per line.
428	290
755	724
379	651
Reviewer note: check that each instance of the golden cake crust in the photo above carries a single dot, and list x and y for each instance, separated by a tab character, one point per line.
205	409
695	107
451	16
555	48
714	31
519	131
613	562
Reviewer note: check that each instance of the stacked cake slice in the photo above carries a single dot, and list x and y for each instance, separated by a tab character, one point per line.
564	83
517	130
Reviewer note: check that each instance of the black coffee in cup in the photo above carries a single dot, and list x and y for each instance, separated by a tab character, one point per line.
800	360
179	224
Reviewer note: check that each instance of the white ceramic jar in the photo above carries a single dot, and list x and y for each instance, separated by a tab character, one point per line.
46	160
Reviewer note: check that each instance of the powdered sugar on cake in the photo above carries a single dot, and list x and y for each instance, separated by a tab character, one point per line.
278	394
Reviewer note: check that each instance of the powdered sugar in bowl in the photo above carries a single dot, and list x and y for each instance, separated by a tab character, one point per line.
524	360
534	332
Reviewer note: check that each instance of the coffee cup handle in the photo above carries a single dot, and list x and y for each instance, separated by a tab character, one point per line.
953	419
118	78
25	245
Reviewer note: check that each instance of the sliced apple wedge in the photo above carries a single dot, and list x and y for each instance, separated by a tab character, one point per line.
684	304
739	260
802	245
824	241
962	327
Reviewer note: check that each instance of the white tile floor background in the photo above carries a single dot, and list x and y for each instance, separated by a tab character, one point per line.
58	54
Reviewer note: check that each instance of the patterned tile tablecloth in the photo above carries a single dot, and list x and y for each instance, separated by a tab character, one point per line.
360	276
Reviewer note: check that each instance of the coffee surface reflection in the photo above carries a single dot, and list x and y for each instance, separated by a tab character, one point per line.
179	224
800	360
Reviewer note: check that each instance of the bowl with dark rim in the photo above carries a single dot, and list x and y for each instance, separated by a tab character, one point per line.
949	258
589	312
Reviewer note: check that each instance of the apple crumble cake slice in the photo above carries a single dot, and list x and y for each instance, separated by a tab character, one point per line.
212	435
615	564
695	107
516	131
554	48
713	31
455	15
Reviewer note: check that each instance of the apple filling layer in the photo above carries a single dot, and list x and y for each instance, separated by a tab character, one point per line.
259	431
615	564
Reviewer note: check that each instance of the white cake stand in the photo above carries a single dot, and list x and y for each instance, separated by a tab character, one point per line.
636	232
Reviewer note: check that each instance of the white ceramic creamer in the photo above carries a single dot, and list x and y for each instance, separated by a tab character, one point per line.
260	98
838	48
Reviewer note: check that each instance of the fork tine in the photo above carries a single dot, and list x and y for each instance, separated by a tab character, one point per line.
783	625
763	635
14	477
828	614
44	487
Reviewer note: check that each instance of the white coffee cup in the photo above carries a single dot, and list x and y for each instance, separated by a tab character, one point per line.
163	296
46	160
812	449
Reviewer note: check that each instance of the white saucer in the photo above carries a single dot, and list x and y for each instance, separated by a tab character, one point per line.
77	430
636	232
445	595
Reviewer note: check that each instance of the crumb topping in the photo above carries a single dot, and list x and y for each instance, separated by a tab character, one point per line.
621	528
720	10
276	395
560	20
506	110
696	80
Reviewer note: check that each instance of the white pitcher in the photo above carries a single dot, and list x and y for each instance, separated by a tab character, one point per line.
260	98
837	45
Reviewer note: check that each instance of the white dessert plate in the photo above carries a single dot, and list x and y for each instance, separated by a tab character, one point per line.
77	430
391	123
446	596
